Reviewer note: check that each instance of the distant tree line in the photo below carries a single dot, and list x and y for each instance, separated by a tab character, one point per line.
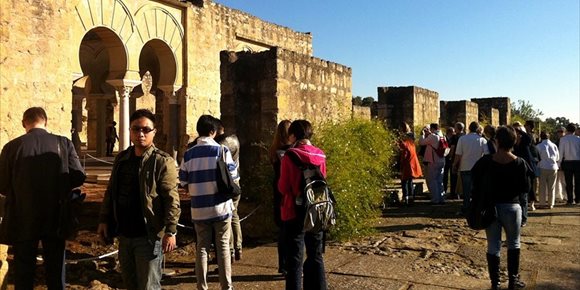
523	111
362	102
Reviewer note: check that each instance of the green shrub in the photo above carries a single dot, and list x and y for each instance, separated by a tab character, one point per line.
359	156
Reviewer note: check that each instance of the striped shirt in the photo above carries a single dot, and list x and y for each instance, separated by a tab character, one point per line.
198	173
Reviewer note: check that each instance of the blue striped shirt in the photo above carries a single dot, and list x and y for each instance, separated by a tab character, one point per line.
198	173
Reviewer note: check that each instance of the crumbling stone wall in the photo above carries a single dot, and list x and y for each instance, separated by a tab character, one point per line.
260	89
413	105
502	104
312	88
35	64
40	41
494	120
360	112
458	111
216	28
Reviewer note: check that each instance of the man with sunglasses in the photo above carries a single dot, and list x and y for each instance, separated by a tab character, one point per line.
141	205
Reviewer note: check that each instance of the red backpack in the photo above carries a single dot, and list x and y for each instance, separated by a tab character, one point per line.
443	149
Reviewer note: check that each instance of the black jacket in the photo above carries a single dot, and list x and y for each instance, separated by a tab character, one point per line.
36	170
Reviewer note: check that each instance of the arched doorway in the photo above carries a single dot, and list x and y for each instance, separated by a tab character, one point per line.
102	57
158	70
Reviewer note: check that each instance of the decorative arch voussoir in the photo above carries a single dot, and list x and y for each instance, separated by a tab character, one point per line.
155	22
113	14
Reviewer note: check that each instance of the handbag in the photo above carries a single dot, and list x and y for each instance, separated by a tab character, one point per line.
225	183
482	212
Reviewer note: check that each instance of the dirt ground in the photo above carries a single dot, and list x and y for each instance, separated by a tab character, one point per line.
418	247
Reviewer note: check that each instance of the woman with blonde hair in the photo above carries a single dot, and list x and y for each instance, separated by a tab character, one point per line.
279	146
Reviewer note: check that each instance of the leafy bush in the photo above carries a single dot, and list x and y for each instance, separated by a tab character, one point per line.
359	156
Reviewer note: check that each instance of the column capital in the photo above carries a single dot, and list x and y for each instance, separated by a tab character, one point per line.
124	86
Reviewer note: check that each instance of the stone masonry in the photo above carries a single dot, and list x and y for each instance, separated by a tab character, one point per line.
487	114
361	112
101	49
261	89
414	105
458	111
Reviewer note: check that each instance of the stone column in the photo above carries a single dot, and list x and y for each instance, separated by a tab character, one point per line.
172	120
124	88
124	92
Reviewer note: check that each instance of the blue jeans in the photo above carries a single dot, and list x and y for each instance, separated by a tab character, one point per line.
509	217
466	184
296	240
25	263
407	186
435	181
140	261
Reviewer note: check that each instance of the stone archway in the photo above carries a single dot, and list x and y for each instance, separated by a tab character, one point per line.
158	62
102	57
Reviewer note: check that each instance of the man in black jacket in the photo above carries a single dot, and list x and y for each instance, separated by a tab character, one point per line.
37	170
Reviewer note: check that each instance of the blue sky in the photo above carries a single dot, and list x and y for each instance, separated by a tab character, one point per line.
526	50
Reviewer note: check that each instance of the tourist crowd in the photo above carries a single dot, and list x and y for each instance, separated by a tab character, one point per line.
141	205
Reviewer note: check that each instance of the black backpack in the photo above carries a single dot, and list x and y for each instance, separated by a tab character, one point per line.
316	204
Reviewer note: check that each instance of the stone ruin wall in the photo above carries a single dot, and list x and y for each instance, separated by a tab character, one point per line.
35	64
361	112
215	28
260	89
249	104
486	105
494	117
426	107
414	105
40	43
312	88
417	107
395	105
458	111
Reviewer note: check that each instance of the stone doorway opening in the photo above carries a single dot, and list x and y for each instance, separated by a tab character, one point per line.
158	71
102	57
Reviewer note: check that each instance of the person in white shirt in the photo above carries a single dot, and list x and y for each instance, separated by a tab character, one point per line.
570	163
435	163
560	183
469	149
548	165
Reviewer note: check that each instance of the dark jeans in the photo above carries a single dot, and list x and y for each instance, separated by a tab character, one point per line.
25	263
407	186
571	170
282	252
466	185
296	240
524	206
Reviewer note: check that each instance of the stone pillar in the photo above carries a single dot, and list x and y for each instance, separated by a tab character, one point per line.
124	141
124	88
171	119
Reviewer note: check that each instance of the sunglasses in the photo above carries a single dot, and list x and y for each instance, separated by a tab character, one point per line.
144	130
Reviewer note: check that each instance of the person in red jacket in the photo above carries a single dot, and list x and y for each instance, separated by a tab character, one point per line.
409	164
289	185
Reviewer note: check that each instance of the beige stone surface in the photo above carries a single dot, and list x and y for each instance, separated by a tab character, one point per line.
40	57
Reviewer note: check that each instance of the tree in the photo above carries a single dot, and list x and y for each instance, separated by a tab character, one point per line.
367	102
523	111
363	102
